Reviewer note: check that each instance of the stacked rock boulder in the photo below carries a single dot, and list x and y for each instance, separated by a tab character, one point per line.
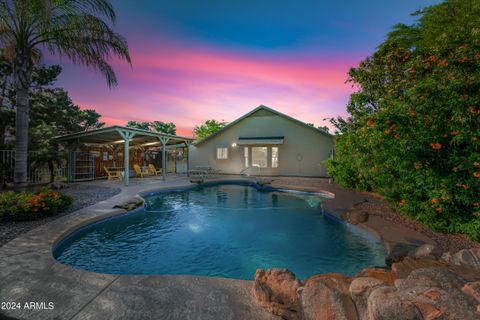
424	285
276	290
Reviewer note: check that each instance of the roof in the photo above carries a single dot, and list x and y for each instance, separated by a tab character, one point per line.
111	135
262	107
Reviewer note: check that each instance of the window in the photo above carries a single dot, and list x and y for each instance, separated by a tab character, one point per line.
259	157
222	153
105	156
274	157
245	153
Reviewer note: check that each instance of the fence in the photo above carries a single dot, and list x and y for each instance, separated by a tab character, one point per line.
36	175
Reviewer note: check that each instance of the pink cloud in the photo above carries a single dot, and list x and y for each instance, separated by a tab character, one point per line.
190	83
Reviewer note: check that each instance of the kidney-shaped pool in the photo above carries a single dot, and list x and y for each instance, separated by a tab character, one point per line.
225	230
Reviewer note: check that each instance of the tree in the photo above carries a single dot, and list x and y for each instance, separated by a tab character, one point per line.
321	128
138	125
207	128
324	129
413	133
164	127
54	114
158	126
70	28
90	119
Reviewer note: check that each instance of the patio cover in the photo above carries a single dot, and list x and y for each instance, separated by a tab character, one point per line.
129	137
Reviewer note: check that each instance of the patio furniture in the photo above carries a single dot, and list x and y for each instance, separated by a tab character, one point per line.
113	174
153	170
140	171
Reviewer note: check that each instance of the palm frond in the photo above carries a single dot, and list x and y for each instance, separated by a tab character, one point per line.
87	40
77	29
95	7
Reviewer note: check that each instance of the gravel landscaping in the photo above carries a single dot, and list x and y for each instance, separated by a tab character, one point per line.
84	196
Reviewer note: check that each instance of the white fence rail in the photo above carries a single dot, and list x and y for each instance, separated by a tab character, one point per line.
36	175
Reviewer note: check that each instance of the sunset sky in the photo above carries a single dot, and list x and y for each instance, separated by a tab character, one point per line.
197	60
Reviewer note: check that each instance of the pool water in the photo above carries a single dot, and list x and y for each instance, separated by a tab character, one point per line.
222	231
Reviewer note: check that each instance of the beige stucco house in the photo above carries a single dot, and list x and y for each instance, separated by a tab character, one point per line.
265	142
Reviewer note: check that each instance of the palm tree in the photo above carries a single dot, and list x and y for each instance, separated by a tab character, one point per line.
70	28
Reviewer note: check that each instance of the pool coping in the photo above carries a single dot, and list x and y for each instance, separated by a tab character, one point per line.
30	273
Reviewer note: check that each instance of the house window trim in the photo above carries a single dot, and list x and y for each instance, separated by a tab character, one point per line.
275	164
266	157
246	157
218	154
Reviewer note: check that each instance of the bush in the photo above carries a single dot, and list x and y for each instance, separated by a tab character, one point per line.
31	206
414	131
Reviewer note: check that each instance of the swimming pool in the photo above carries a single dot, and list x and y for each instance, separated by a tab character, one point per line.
226	230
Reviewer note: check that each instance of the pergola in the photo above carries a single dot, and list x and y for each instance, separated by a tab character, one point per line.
129	137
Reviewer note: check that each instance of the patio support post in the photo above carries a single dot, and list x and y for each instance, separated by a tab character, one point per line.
164	141
114	154
126	135
188	143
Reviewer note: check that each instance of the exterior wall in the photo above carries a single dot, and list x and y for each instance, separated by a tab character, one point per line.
302	153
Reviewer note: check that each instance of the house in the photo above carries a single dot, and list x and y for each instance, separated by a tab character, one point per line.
265	142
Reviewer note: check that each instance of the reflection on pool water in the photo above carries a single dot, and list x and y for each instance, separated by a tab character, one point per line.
225	231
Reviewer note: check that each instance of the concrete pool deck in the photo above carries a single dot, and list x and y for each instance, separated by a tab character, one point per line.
29	273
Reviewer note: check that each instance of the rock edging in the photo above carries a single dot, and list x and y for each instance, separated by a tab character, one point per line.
421	286
130	204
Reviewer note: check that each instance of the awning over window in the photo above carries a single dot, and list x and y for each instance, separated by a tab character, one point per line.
260	140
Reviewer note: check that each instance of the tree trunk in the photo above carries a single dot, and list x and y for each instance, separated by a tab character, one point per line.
51	167
23	75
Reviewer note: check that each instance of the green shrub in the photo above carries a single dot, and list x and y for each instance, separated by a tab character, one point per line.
31	206
11	204
414	129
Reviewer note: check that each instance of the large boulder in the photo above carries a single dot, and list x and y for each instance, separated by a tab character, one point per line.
327	297
426	251
403	268
466	257
360	290
439	277
437	293
356	217
129	204
382	274
387	303
276	289
397	252
473	290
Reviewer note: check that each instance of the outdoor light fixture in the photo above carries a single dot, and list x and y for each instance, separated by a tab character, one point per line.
234	145
151	143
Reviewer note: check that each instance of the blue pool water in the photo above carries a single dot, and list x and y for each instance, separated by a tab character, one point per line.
225	231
